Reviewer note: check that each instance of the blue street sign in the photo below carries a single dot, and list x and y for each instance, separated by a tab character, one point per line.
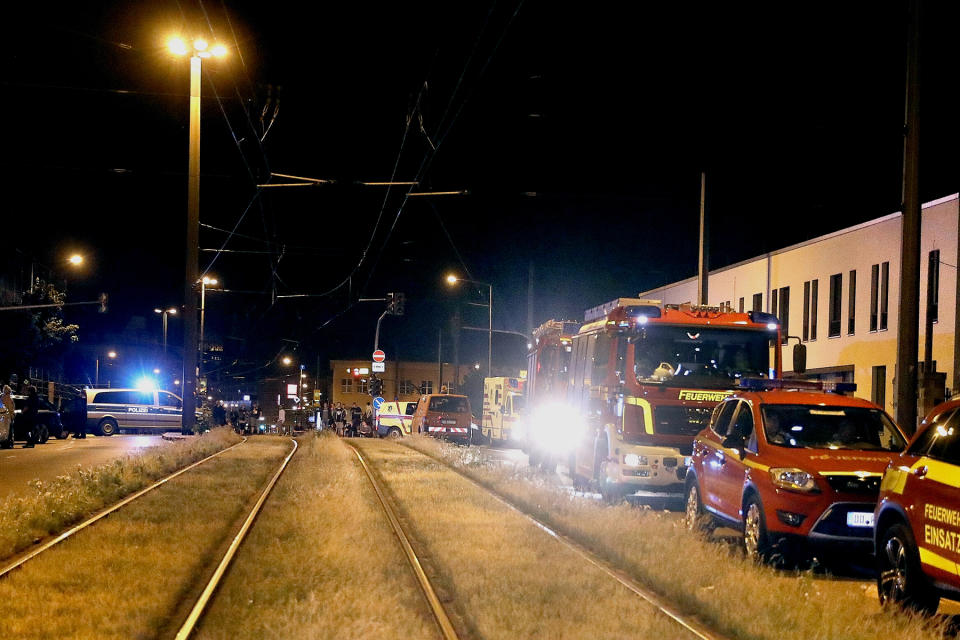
377	402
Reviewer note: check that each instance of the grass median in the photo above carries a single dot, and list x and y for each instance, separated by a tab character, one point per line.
128	575
320	562
729	592
54	506
505	577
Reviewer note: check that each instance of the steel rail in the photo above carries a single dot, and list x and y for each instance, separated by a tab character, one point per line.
20	560
690	623
439	613
201	604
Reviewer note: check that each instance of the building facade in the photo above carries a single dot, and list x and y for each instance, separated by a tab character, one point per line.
403	381
839	294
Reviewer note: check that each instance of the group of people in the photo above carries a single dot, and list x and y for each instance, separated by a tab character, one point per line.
29	416
350	422
241	420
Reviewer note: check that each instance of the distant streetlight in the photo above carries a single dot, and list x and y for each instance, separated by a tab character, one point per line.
287	360
156	371
96	376
452	280
165	312
197	50
76	259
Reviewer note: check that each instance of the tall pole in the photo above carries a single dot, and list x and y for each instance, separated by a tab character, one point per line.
164	314
704	262
96	375
203	307
489	330
439	358
909	308
193	254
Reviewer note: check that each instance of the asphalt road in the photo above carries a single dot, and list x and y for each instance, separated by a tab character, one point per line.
19	466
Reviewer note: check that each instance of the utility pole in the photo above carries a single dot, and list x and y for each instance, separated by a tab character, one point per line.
704	261
909	308
193	255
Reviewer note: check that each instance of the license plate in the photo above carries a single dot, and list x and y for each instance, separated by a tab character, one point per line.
448	422
860	519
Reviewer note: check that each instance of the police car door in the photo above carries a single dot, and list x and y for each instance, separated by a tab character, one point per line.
169	410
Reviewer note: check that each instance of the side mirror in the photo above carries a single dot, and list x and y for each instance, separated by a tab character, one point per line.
799	358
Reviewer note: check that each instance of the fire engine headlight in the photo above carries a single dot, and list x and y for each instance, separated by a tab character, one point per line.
794	480
633	460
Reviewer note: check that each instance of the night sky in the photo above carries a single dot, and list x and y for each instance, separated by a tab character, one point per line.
579	130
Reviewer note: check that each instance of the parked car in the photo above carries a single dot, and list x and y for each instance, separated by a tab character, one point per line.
443	415
793	470
918	516
395	419
48	421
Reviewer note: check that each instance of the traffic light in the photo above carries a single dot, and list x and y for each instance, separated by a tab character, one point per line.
376	386
103	303
398	301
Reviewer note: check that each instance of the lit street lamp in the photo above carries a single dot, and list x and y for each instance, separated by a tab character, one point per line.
452	280
197	50
96	378
165	312
76	259
205	282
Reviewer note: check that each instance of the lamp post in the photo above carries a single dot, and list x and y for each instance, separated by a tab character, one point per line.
453	280
197	50
204	283
96	376
165	312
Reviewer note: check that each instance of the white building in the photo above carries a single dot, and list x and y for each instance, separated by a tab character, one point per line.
840	294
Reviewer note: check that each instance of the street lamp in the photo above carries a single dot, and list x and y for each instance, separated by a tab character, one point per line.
206	281
452	280
96	377
165	312
197	50
76	259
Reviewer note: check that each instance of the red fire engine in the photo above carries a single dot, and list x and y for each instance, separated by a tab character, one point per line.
644	378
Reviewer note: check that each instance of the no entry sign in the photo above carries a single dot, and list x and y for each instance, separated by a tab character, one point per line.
379	355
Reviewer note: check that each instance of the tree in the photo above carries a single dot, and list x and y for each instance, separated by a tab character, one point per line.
36	337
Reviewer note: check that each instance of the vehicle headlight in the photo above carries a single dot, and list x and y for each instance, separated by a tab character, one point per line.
633	460
794	480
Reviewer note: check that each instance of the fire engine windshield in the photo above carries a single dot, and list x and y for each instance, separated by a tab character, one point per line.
819	427
703	356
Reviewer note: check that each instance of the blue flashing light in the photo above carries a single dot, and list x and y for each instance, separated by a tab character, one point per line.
761	317
146	384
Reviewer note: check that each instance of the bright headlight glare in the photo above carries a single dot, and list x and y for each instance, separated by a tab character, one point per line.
633	460
794	480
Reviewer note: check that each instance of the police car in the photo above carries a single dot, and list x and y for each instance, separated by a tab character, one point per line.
110	410
792	469
394	419
918	517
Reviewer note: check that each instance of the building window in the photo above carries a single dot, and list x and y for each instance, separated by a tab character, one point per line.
426	386
758	302
836	296
884	293
784	310
878	394
363	386
406	387
874	290
773	302
852	304
346	385
741	305
933	286
806	311
810	289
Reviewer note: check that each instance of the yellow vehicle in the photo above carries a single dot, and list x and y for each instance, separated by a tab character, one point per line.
502	405
394	419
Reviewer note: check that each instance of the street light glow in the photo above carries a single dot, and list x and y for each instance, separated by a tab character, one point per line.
177	46
287	360
111	354
172	311
219	51
200	44
76	259
451	279
209	280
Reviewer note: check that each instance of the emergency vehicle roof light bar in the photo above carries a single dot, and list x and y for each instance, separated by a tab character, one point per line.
761	317
765	384
645	311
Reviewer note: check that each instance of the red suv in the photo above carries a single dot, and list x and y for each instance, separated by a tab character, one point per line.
918	516
791	468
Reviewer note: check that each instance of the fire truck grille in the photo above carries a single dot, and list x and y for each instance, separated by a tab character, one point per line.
680	421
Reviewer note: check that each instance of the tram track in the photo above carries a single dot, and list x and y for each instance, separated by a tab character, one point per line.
690	625
22	558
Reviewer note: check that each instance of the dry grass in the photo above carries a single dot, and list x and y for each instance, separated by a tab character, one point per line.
125	576
507	578
54	506
727	591
321	561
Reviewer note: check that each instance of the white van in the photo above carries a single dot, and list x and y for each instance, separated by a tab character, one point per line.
110	410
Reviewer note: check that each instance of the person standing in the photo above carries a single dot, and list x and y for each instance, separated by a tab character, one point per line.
31	414
7	413
325	415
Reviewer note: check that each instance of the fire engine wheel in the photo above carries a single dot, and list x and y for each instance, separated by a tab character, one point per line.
394	434
756	542
900	580
695	516
611	492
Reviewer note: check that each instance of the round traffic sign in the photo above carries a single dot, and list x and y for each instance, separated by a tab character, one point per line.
379	355
377	402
